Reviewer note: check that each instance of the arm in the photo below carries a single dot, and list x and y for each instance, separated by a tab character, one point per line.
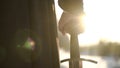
72	6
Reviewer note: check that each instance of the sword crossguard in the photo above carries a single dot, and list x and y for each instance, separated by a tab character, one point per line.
83	59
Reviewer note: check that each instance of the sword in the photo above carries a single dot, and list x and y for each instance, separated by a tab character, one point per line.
74	52
75	61
72	9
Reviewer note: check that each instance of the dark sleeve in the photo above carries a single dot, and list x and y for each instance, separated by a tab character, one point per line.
73	6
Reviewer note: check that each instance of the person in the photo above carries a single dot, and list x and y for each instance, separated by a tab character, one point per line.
71	20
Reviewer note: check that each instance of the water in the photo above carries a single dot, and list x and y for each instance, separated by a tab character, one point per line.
103	62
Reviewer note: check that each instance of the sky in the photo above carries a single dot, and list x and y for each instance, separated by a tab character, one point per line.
101	21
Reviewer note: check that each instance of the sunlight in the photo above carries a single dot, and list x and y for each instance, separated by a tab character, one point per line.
58	10
101	21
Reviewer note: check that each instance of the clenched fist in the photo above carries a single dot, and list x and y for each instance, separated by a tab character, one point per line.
71	24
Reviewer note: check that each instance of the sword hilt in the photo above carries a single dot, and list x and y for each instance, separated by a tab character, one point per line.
75	61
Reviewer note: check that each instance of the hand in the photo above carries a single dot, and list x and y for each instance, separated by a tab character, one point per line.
72	24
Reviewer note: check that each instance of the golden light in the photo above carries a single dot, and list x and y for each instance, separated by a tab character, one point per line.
101	21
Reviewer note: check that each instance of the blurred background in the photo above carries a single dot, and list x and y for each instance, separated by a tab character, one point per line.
101	39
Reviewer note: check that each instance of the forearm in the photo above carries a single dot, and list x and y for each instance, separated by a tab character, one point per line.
72	6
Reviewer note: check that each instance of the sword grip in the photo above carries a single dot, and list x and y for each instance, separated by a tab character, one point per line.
74	52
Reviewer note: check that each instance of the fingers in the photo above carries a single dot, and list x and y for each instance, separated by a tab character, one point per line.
70	24
65	18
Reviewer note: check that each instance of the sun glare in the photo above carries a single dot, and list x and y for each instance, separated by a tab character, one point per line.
101	21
